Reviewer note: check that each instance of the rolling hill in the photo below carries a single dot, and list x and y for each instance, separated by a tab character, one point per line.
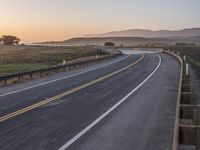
136	37
150	34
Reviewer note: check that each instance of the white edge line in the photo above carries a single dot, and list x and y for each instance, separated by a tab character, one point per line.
75	138
75	74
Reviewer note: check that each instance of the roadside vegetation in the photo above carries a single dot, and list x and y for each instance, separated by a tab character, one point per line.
192	53
15	59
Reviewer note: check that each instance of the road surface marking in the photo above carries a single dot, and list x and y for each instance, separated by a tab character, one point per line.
75	138
46	101
75	74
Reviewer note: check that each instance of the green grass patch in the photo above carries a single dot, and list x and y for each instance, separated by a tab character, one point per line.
6	69
194	60
16	59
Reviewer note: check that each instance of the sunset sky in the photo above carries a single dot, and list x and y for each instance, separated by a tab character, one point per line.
45	20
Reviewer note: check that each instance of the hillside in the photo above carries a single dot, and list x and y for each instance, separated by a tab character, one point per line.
150	33
136	37
127	41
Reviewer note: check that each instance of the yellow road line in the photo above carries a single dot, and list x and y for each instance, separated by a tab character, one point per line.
21	111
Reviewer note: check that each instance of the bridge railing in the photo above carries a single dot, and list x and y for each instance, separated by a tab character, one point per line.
177	117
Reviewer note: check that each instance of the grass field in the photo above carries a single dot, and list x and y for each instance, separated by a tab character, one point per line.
192	54
15	59
15	68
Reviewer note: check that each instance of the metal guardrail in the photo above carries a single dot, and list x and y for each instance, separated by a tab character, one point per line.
15	78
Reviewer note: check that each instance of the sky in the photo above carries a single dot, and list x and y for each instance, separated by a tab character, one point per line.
47	20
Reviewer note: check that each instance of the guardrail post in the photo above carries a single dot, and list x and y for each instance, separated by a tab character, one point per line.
31	76
64	62
19	79
187	69
41	74
184	58
5	82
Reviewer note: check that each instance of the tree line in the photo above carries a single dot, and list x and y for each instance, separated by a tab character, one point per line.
9	40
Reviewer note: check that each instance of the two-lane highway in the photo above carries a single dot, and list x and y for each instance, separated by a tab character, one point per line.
125	103
36	92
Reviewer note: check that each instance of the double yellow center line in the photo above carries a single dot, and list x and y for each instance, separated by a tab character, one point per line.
43	102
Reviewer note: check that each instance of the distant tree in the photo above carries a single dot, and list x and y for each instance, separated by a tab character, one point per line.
10	40
109	44
1	40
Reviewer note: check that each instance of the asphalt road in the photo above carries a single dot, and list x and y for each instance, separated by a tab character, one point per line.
120	104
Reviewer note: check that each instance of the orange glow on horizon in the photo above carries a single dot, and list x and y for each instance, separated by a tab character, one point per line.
50	20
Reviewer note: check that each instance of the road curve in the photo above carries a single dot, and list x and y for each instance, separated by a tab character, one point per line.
131	107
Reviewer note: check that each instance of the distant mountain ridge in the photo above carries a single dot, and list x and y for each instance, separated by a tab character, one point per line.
136	37
127	41
189	32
